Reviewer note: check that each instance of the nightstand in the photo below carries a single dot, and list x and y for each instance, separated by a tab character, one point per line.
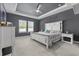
67	38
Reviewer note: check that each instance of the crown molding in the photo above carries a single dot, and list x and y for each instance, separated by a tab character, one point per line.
65	7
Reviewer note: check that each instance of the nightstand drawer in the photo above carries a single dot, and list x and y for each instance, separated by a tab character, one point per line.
67	39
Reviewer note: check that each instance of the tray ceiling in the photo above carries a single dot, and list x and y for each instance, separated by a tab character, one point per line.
30	8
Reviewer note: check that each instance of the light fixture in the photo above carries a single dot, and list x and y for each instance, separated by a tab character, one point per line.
38	8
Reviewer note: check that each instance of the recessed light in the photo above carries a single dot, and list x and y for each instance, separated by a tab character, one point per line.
59	5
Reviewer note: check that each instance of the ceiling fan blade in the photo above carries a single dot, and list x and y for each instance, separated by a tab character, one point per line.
38	6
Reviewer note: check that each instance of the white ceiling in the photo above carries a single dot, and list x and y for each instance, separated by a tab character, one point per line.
11	8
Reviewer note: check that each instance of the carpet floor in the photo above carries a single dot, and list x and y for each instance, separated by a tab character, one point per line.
24	46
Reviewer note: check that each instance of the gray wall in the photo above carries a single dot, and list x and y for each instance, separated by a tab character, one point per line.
70	21
14	19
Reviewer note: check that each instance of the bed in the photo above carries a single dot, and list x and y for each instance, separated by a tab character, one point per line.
46	38
51	34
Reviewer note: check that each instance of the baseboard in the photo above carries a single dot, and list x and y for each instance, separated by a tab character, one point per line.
76	42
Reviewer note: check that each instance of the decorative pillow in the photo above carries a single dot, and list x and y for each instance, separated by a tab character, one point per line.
47	31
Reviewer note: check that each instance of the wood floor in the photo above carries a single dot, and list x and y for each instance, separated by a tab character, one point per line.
25	46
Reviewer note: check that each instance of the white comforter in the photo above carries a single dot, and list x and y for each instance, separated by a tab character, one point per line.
48	34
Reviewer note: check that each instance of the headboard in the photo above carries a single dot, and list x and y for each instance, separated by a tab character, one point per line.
54	26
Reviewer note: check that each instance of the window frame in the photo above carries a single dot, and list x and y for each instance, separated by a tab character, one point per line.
32	26
27	26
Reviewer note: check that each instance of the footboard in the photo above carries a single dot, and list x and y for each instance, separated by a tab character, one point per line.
45	39
39	38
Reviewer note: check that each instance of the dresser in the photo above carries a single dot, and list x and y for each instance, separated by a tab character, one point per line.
7	39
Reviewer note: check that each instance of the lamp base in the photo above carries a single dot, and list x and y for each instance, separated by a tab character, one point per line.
3	23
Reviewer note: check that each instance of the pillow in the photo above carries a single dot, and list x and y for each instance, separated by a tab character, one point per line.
47	31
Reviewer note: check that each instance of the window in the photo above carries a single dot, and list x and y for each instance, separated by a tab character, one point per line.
30	26
26	26
22	26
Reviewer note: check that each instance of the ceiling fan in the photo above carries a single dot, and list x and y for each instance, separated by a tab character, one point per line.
38	8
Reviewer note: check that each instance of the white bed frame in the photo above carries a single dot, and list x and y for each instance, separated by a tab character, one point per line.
48	38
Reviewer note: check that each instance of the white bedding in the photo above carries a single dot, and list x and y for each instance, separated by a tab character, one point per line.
44	33
48	34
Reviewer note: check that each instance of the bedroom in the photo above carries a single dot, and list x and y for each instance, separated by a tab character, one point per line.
43	22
